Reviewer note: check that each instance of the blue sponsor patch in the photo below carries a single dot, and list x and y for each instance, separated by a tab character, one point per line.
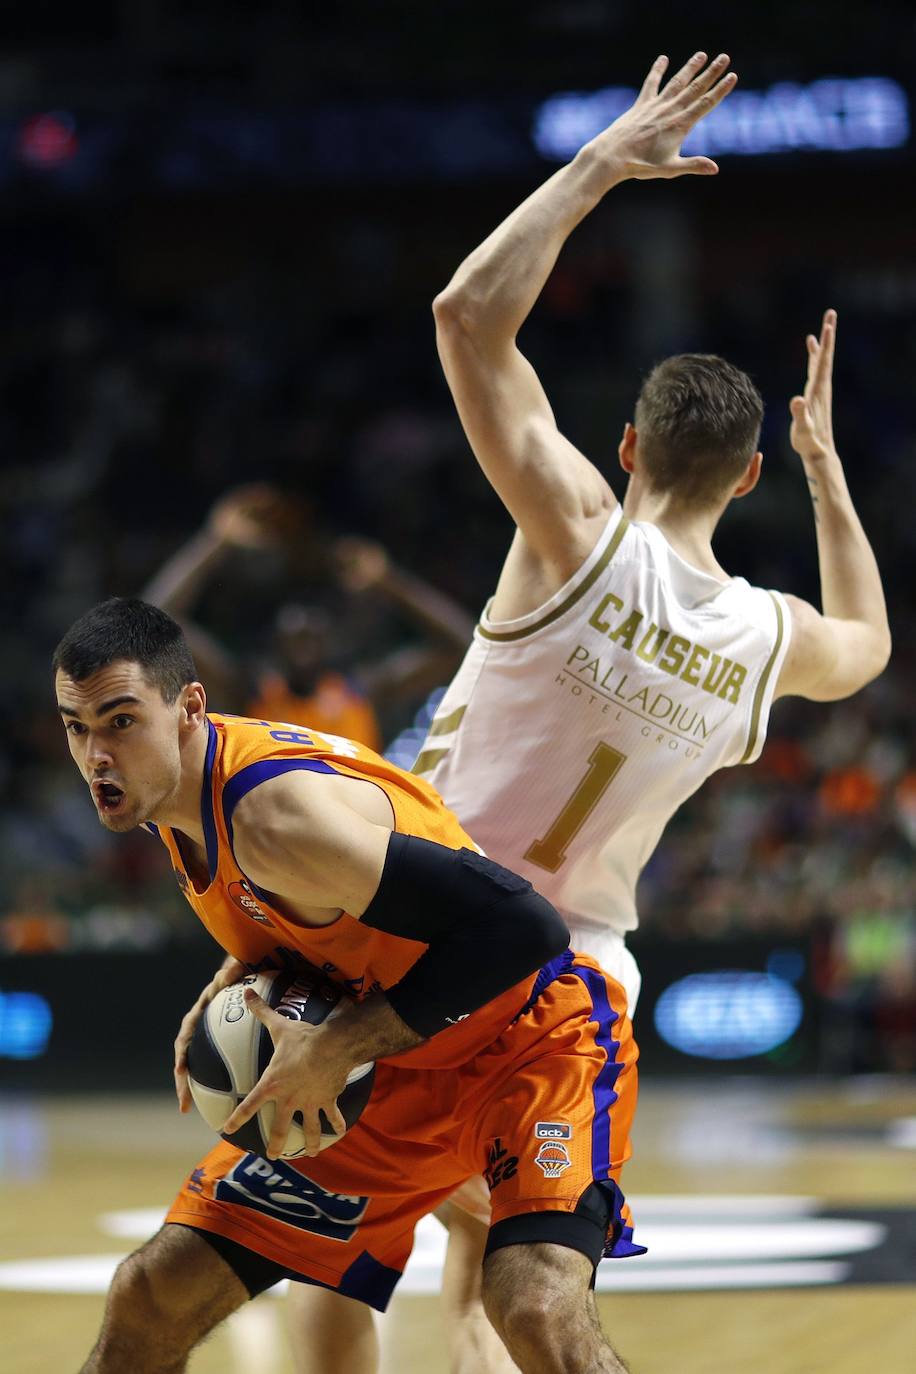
552	1130
283	1194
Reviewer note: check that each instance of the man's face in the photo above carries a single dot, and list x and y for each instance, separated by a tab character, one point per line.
125	740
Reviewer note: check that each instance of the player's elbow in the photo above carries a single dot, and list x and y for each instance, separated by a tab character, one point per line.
872	654
455	313
545	932
880	654
857	668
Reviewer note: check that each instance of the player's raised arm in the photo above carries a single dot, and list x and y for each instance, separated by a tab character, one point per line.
551	490
248	517
834	654
300	841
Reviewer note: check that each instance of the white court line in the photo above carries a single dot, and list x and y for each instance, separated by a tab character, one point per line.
732	1205
720	1276
902	1133
766	1241
139	1223
91	1274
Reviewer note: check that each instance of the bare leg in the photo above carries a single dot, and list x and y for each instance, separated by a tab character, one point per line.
473	1345
163	1299
330	1334
538	1299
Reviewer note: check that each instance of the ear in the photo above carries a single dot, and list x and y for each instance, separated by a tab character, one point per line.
751	477
626	449
193	705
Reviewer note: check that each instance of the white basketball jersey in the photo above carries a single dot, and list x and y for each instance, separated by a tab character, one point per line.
569	737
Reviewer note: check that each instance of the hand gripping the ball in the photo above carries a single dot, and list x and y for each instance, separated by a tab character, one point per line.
230	972
306	1074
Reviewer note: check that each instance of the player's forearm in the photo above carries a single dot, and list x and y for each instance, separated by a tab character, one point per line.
177	584
370	1030
850	581
495	288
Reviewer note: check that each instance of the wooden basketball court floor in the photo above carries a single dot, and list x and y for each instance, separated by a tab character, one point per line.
781	1222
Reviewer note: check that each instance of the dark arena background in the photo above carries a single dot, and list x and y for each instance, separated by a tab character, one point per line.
221	229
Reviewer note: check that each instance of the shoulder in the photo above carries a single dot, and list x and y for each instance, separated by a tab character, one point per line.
280	811
530	578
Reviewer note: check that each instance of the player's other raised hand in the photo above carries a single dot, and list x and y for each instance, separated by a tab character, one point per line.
645	142
811	434
252	517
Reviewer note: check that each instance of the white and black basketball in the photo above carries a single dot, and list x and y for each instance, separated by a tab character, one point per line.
230	1049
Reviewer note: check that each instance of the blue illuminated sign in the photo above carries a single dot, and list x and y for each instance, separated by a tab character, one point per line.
25	1025
731	1014
835	114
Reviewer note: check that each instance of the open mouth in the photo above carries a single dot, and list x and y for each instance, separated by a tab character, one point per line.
109	797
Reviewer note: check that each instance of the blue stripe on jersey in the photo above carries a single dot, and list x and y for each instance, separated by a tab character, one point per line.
620	1243
547	974
245	779
603	1091
206	804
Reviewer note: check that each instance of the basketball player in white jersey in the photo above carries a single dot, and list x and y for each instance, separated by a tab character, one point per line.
618	664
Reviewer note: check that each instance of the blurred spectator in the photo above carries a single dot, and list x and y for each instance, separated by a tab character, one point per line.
302	682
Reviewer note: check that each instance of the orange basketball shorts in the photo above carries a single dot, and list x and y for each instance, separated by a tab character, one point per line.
543	1113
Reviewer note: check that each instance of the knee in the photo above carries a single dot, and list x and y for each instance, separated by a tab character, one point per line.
525	1317
140	1293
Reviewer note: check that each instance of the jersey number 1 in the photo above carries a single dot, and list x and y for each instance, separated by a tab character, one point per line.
550	852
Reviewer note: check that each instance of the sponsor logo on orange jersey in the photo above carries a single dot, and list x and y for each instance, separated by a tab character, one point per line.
552	1130
553	1159
242	895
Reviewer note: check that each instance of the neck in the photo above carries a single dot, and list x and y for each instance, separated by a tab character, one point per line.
181	810
689	532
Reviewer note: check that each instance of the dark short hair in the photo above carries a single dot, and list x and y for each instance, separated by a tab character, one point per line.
126	628
698	424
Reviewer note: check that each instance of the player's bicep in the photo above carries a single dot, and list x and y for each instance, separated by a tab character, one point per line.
828	659
548	486
294	839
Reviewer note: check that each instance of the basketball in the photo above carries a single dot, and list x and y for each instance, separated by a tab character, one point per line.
231	1049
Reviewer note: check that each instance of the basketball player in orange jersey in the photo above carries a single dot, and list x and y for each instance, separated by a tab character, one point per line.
497	1049
621	660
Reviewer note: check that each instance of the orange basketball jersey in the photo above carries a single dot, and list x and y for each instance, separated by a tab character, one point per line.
243	753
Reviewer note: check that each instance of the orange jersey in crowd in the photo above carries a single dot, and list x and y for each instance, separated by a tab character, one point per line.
241	754
335	705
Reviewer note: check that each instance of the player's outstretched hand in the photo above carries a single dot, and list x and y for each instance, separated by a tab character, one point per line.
361	564
251	517
231	971
304	1075
645	142
811	434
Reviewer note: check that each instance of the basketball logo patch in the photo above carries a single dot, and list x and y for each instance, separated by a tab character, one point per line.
242	895
553	1159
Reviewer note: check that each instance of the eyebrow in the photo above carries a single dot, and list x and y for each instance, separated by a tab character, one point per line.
105	707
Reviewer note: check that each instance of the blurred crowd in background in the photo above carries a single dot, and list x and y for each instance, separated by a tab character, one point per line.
158	354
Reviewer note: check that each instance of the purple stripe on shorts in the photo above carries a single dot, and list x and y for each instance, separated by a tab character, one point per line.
603	1091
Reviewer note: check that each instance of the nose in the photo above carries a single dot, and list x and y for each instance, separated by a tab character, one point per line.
97	756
